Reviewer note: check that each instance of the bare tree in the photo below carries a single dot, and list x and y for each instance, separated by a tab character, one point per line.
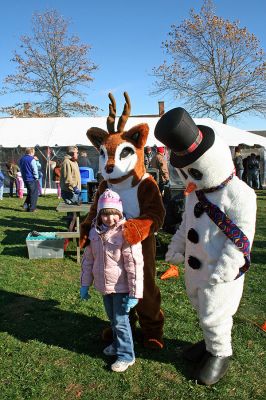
54	66
215	66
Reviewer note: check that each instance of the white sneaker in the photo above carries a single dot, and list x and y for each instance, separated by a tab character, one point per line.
109	350
121	366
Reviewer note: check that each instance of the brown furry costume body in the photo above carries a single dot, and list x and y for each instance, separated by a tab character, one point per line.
142	203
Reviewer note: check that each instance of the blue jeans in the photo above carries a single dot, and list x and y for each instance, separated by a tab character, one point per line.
119	318
32	194
70	197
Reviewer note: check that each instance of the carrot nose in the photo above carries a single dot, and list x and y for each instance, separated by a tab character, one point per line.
190	188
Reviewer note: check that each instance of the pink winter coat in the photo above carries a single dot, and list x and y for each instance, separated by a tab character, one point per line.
112	264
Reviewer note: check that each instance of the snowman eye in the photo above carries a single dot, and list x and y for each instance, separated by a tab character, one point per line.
183	173
195	173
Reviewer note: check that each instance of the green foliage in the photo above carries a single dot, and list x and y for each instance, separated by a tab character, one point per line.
50	345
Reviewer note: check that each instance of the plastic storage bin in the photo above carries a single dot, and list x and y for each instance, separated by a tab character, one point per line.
47	245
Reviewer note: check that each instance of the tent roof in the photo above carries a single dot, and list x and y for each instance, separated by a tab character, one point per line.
29	132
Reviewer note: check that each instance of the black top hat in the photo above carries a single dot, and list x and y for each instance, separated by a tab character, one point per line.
187	141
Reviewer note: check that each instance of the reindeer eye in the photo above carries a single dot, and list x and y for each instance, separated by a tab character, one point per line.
102	153
195	173
127	151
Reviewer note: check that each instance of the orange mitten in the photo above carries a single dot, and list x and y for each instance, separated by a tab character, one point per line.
136	230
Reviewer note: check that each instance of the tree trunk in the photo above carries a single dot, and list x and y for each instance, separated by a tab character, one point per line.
224	119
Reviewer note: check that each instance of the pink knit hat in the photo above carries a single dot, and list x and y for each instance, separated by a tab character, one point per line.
110	199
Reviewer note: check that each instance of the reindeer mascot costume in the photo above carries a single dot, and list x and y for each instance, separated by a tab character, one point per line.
214	238
121	163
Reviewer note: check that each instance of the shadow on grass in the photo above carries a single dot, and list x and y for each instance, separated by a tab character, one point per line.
28	318
23	227
258	257
16	251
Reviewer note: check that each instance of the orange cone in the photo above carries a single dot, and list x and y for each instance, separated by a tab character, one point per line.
263	326
171	272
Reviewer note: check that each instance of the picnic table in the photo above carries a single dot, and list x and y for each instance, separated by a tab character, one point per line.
74	231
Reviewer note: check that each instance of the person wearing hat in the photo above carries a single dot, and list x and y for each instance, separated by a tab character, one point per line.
214	239
116	269
159	162
70	180
148	154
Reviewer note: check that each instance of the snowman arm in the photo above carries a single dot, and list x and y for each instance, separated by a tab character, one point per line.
243	213
176	248
228	264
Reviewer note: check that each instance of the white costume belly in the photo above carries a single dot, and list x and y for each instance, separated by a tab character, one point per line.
129	196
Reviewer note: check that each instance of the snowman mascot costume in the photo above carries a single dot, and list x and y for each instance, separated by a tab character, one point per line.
214	238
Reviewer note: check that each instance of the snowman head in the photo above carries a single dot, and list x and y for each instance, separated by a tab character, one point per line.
199	155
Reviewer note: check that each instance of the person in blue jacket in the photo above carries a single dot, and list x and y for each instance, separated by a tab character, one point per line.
29	172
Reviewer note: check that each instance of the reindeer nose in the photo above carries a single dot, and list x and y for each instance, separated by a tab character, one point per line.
109	168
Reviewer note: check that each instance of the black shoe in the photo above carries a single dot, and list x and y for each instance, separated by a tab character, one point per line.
212	369
195	352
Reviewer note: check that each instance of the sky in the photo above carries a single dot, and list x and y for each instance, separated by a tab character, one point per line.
126	43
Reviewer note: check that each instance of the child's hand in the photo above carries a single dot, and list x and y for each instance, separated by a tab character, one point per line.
129	302
84	293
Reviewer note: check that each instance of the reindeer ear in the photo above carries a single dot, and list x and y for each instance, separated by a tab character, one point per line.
137	135
96	136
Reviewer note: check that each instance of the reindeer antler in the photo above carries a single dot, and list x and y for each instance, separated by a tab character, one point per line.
112	114
126	113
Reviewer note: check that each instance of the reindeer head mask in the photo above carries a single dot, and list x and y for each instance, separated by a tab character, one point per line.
121	152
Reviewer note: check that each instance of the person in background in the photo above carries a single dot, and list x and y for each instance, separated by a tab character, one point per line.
29	172
40	175
83	160
20	185
12	170
56	177
148	154
159	162
70	180
238	162
253	172
245	166
260	180
116	268
2	180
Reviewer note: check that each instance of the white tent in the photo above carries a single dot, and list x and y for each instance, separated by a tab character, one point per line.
29	132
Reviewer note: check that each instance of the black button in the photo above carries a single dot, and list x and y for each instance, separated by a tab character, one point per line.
194	263
198	210
193	236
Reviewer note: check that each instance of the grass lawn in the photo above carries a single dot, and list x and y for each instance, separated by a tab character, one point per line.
50	345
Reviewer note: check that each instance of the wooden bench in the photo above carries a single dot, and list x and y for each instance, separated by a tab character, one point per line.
76	210
71	235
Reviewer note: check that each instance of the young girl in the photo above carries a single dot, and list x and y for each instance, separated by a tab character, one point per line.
19	185
117	271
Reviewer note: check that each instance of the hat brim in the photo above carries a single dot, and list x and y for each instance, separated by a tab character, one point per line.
207	141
